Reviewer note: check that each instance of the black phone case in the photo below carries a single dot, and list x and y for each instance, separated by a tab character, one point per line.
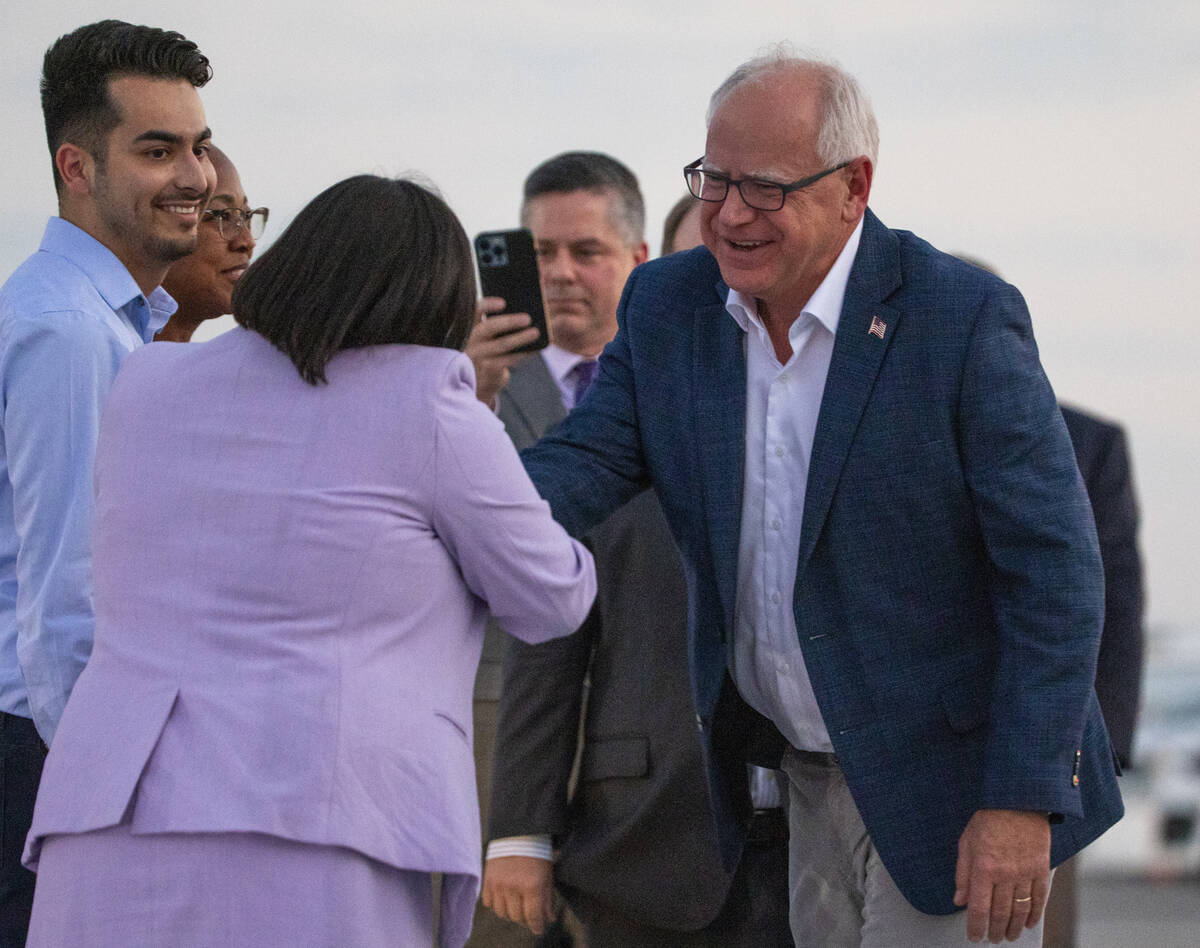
508	268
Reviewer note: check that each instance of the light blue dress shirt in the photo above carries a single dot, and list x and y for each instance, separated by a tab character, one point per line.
68	316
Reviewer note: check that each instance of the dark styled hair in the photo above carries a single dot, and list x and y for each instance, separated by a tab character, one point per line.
369	261
674	218
593	171
77	70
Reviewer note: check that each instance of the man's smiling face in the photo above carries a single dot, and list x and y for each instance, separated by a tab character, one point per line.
154	178
768	129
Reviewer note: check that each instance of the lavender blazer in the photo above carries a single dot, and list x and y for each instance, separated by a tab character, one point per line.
290	590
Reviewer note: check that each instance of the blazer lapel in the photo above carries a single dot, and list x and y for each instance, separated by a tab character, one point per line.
719	384
858	352
531	404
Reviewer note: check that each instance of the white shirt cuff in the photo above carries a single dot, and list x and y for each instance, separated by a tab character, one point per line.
535	847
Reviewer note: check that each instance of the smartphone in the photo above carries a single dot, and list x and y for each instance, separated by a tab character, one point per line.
508	269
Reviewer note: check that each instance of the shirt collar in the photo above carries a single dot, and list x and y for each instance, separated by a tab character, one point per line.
560	362
825	305
109	276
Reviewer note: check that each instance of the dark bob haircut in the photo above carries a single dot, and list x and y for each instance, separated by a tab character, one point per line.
77	69
369	261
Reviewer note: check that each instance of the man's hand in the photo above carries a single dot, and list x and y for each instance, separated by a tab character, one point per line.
1003	872
491	344
520	889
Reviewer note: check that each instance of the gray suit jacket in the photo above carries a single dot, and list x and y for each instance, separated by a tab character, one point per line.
530	405
635	837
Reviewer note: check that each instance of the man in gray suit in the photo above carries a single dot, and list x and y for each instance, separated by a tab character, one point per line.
586	213
636	858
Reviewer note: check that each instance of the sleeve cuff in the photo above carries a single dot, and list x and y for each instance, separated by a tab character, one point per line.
535	847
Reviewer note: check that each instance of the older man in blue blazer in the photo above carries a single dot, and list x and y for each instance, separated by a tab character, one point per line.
889	552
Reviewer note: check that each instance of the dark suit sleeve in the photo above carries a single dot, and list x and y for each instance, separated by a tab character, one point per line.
1108	474
1045	578
538	733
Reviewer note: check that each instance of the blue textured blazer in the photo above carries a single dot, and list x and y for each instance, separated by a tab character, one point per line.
949	592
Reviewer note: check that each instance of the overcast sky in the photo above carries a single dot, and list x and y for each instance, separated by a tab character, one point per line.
1055	140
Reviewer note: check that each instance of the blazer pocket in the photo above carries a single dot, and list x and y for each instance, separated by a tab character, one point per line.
965	703
610	757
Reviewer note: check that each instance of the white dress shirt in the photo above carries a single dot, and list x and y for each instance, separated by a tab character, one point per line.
782	405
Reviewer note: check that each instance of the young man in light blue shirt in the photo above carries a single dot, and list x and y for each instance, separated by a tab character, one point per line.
129	143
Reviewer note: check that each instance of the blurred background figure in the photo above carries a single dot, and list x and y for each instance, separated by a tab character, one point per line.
1103	457
202	282
271	742
681	228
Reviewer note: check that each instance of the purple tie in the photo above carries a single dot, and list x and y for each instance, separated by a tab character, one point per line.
585	375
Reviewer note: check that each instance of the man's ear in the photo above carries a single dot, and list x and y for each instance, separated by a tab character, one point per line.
76	167
641	253
858	192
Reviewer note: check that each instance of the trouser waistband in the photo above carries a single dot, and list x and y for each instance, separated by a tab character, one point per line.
821	758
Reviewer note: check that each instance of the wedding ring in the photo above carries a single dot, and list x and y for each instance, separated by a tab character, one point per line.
1028	898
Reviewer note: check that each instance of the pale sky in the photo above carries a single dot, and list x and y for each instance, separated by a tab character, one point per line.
1056	141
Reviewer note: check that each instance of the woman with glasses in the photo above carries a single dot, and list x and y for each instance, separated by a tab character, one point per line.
300	527
202	282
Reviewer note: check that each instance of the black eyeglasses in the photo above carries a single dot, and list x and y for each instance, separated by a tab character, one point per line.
229	219
758	194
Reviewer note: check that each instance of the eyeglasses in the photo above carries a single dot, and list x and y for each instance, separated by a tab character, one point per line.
758	194
229	219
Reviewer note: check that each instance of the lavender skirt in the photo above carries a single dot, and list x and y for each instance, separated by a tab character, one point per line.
113	888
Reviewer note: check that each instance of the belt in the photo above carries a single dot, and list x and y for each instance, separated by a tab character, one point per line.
768	826
820	758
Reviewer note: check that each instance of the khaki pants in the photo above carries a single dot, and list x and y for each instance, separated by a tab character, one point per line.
841	894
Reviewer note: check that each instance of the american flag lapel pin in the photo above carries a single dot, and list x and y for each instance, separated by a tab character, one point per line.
878	327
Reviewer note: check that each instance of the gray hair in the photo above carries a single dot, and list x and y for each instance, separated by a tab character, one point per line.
848	127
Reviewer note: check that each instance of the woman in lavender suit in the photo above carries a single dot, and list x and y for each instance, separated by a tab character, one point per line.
300	527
